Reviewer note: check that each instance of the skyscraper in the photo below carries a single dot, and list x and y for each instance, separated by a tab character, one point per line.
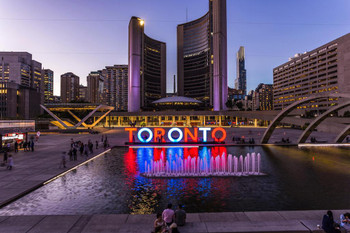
47	77
116	86
202	57
95	87
147	68
241	79
69	87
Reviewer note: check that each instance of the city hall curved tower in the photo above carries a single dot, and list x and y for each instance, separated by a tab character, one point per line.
202	57
147	68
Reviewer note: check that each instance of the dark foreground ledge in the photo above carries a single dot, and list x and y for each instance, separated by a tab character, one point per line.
268	221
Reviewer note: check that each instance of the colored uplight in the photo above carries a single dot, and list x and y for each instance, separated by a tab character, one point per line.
171	137
150	135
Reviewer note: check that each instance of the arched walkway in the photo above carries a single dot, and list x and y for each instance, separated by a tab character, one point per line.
290	108
303	137
340	138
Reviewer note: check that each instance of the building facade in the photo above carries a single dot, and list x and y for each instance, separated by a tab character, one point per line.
83	93
241	78
47	77
95	87
325	69
263	97
21	86
147	68
115	90
19	102
69	87
202	57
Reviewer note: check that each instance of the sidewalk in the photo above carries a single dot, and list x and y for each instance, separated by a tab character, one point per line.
32	169
263	222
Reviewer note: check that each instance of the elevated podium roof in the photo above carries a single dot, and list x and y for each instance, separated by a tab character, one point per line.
77	106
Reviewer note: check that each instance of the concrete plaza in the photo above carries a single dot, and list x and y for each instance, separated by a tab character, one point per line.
263	222
32	169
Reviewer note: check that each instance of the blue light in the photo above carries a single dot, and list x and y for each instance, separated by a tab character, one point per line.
150	135
180	135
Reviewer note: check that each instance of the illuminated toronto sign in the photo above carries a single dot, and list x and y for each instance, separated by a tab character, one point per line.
176	135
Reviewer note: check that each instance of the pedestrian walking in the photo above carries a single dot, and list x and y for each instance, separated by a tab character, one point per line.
16	146
81	149
24	146
96	144
4	159
63	160
70	153
75	153
10	162
91	147
32	145
102	138
86	150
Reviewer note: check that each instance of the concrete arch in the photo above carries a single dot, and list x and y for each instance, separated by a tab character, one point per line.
303	137
340	138
290	108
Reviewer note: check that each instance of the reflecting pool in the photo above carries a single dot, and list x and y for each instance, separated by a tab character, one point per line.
203	179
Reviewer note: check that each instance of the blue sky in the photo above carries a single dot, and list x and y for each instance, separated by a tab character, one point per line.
83	35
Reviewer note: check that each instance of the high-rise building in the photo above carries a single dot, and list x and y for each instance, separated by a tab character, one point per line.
263	97
69	87
47	77
147	68
325	69
21	85
202	57
95	87
241	79
83	93
20	68
116	86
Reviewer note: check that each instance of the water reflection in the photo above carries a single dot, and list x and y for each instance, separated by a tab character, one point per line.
296	179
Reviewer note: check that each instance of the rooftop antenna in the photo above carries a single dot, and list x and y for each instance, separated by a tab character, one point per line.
174	85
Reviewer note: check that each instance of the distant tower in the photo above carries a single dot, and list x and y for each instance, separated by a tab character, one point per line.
241	79
147	68
202	57
69	87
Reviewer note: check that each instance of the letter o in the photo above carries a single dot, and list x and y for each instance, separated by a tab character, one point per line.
223	134
150	135
180	135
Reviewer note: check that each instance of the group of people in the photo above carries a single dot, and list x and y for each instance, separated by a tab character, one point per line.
330	226
85	149
7	161
169	220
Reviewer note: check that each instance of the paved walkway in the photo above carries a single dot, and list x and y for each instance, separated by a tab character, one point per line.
263	222
32	169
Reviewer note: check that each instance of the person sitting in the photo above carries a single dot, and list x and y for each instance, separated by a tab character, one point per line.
159	224
173	228
180	216
328	224
345	221
168	215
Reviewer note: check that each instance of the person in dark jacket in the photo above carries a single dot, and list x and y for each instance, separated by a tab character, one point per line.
328	224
